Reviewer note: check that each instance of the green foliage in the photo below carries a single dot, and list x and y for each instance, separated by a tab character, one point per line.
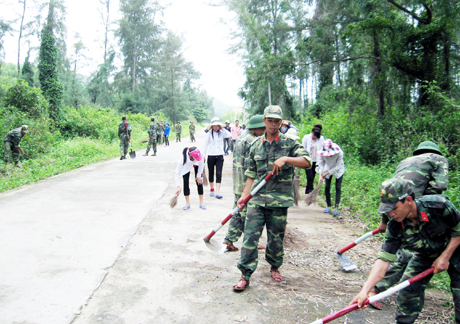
26	99
27	72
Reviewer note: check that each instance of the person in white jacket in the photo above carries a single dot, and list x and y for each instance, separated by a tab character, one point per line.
191	159
330	163
214	151
313	143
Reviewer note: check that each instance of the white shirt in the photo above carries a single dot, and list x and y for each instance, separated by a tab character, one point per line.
334	164
306	143
214	142
182	169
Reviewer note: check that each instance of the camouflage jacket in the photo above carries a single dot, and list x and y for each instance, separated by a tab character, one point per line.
160	129
14	136
240	161
178	129
427	173
438	221
124	129
192	129
278	192
152	130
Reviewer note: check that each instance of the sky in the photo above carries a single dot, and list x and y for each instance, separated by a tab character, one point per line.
206	40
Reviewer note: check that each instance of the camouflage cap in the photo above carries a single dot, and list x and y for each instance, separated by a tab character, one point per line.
392	191
427	147
256	121
25	128
273	112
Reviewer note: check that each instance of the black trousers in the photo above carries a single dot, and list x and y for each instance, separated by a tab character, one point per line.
338	191
186	178
310	178
216	161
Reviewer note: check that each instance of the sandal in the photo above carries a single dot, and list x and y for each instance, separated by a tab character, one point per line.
276	275
203	207
186	207
241	285
219	197
327	210
230	247
212	194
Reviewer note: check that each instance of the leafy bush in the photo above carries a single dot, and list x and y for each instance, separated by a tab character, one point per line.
26	99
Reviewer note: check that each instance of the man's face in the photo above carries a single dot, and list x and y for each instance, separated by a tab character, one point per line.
236	123
400	211
259	131
272	125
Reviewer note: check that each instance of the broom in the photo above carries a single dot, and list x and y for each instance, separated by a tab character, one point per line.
296	187
312	196
173	201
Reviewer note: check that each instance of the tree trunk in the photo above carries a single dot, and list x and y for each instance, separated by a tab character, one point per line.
378	77
19	39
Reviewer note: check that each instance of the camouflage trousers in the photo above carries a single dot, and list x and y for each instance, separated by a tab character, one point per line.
124	144
236	225
192	137
152	143
178	137
10	148
275	220
395	271
159	139
411	299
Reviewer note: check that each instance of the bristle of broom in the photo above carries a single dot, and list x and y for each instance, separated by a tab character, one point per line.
205	179
296	190
173	201
312	196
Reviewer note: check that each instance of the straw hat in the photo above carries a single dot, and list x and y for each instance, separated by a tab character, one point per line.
216	122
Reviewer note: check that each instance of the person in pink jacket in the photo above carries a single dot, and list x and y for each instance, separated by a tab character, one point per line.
236	132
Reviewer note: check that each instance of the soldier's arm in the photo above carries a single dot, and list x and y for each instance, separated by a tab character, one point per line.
442	262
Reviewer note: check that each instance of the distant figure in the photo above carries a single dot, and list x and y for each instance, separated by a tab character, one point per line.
178	131
152	138
12	143
236	132
227	140
166	133
313	143
161	131
124	133
192	132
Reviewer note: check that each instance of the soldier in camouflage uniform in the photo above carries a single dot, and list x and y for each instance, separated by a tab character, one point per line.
192	132
275	152
152	138
12	142
178	131
429	226
256	128
427	173
124	133
161	131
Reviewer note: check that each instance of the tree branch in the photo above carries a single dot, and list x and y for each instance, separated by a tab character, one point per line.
413	15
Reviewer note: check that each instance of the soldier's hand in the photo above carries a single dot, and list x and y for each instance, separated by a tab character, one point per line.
382	227
20	149
278	164
239	203
359	299
440	264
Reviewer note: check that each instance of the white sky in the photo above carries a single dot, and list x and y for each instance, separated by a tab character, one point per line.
206	40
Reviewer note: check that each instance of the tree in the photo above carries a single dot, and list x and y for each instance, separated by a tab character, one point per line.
47	67
27	71
5	28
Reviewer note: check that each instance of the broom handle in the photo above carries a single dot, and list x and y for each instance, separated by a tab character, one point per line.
362	238
237	209
375	298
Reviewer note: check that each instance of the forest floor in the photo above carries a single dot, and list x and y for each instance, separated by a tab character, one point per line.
156	266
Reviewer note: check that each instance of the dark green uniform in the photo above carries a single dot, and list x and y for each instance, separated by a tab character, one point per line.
192	133
438	222
178	132
124	133
152	139
427	174
12	140
240	163
269	206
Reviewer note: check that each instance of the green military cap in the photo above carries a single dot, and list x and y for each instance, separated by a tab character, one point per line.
256	121
273	112
392	191
25	128
427	147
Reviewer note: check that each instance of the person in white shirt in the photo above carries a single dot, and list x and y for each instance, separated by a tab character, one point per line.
214	150
330	163
313	143
191	159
